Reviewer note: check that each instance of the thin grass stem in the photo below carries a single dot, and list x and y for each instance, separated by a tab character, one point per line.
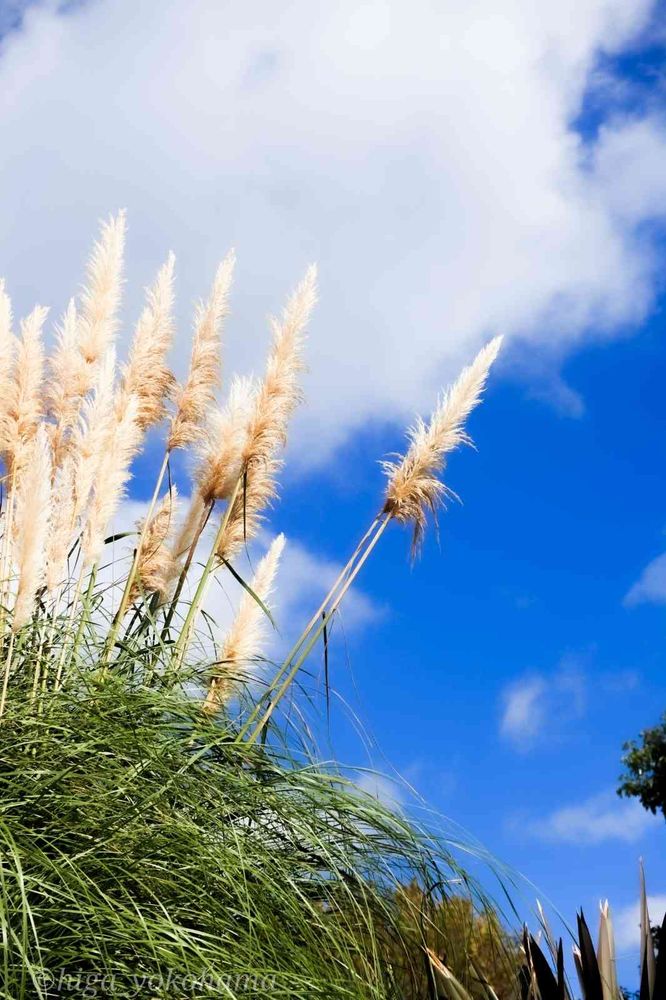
293	666
131	576
183	638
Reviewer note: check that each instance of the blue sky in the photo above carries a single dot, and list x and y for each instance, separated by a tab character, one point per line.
456	173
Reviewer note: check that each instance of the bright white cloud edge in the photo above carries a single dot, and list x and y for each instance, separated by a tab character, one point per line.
626	922
423	154
596	820
650	588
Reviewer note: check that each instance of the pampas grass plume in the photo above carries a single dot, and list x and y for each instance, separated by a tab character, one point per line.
32	525
7	352
146	374
113	473
203	377
242	645
61	525
154	569
24	400
92	433
276	399
67	384
414	489
222	447
100	297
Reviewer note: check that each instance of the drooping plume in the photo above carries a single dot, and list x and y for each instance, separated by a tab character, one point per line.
31	525
23	406
414	489
276	399
155	558
100	297
203	377
243	644
146	374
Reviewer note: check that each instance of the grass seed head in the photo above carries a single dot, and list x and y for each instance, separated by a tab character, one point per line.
146	374
154	569
67	384
120	447
61	526
23	407
275	401
203	378
100	297
414	488
222	447
243	643
33	509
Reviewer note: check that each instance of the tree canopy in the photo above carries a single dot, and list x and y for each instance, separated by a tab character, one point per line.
645	763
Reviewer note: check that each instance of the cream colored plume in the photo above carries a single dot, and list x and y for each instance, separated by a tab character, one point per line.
193	521
414	489
101	294
61	526
187	534
93	431
222	446
276	399
7	353
23	406
31	525
242	645
154	569
203	378
280	391
111	479
67	384
146	374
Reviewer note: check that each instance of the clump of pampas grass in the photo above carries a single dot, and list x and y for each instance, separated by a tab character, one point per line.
142	831
73	424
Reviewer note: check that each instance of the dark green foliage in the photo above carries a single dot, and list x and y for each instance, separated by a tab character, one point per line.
645	762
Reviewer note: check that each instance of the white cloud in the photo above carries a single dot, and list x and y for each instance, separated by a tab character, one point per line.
539	702
523	714
424	153
305	579
626	922
387	790
650	588
598	819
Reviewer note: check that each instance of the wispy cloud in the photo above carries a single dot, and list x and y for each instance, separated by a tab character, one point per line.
561	396
524	713
626	922
386	790
600	818
539	702
650	588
